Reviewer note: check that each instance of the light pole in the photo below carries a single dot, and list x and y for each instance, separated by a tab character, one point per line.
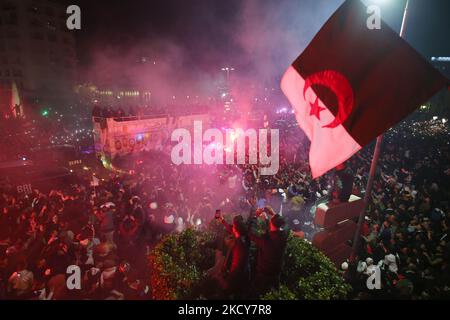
228	70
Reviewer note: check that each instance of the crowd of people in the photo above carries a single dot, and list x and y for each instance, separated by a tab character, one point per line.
20	137
405	234
233	275
133	111
108	228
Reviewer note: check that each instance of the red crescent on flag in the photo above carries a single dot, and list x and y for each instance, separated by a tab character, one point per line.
339	84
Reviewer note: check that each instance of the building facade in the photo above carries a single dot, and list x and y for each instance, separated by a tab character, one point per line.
37	51
442	64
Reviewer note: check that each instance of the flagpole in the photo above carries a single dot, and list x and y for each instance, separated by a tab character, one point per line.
373	166
405	16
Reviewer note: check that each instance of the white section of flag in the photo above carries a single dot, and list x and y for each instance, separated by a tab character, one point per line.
329	146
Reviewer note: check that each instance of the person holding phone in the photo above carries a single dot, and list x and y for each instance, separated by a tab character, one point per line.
235	275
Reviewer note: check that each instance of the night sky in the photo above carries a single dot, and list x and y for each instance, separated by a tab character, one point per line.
212	33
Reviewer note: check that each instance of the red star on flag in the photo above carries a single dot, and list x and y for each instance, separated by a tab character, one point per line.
315	109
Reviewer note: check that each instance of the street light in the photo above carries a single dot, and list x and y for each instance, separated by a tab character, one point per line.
228	69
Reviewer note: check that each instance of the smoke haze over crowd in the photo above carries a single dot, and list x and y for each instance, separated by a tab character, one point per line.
185	48
185	43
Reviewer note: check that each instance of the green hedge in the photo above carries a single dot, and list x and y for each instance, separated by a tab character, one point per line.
178	264
308	274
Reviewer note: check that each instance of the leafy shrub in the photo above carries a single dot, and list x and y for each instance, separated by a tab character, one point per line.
178	264
280	293
308	274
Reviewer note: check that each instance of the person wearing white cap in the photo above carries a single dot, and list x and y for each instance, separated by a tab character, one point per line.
391	262
362	266
370	266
